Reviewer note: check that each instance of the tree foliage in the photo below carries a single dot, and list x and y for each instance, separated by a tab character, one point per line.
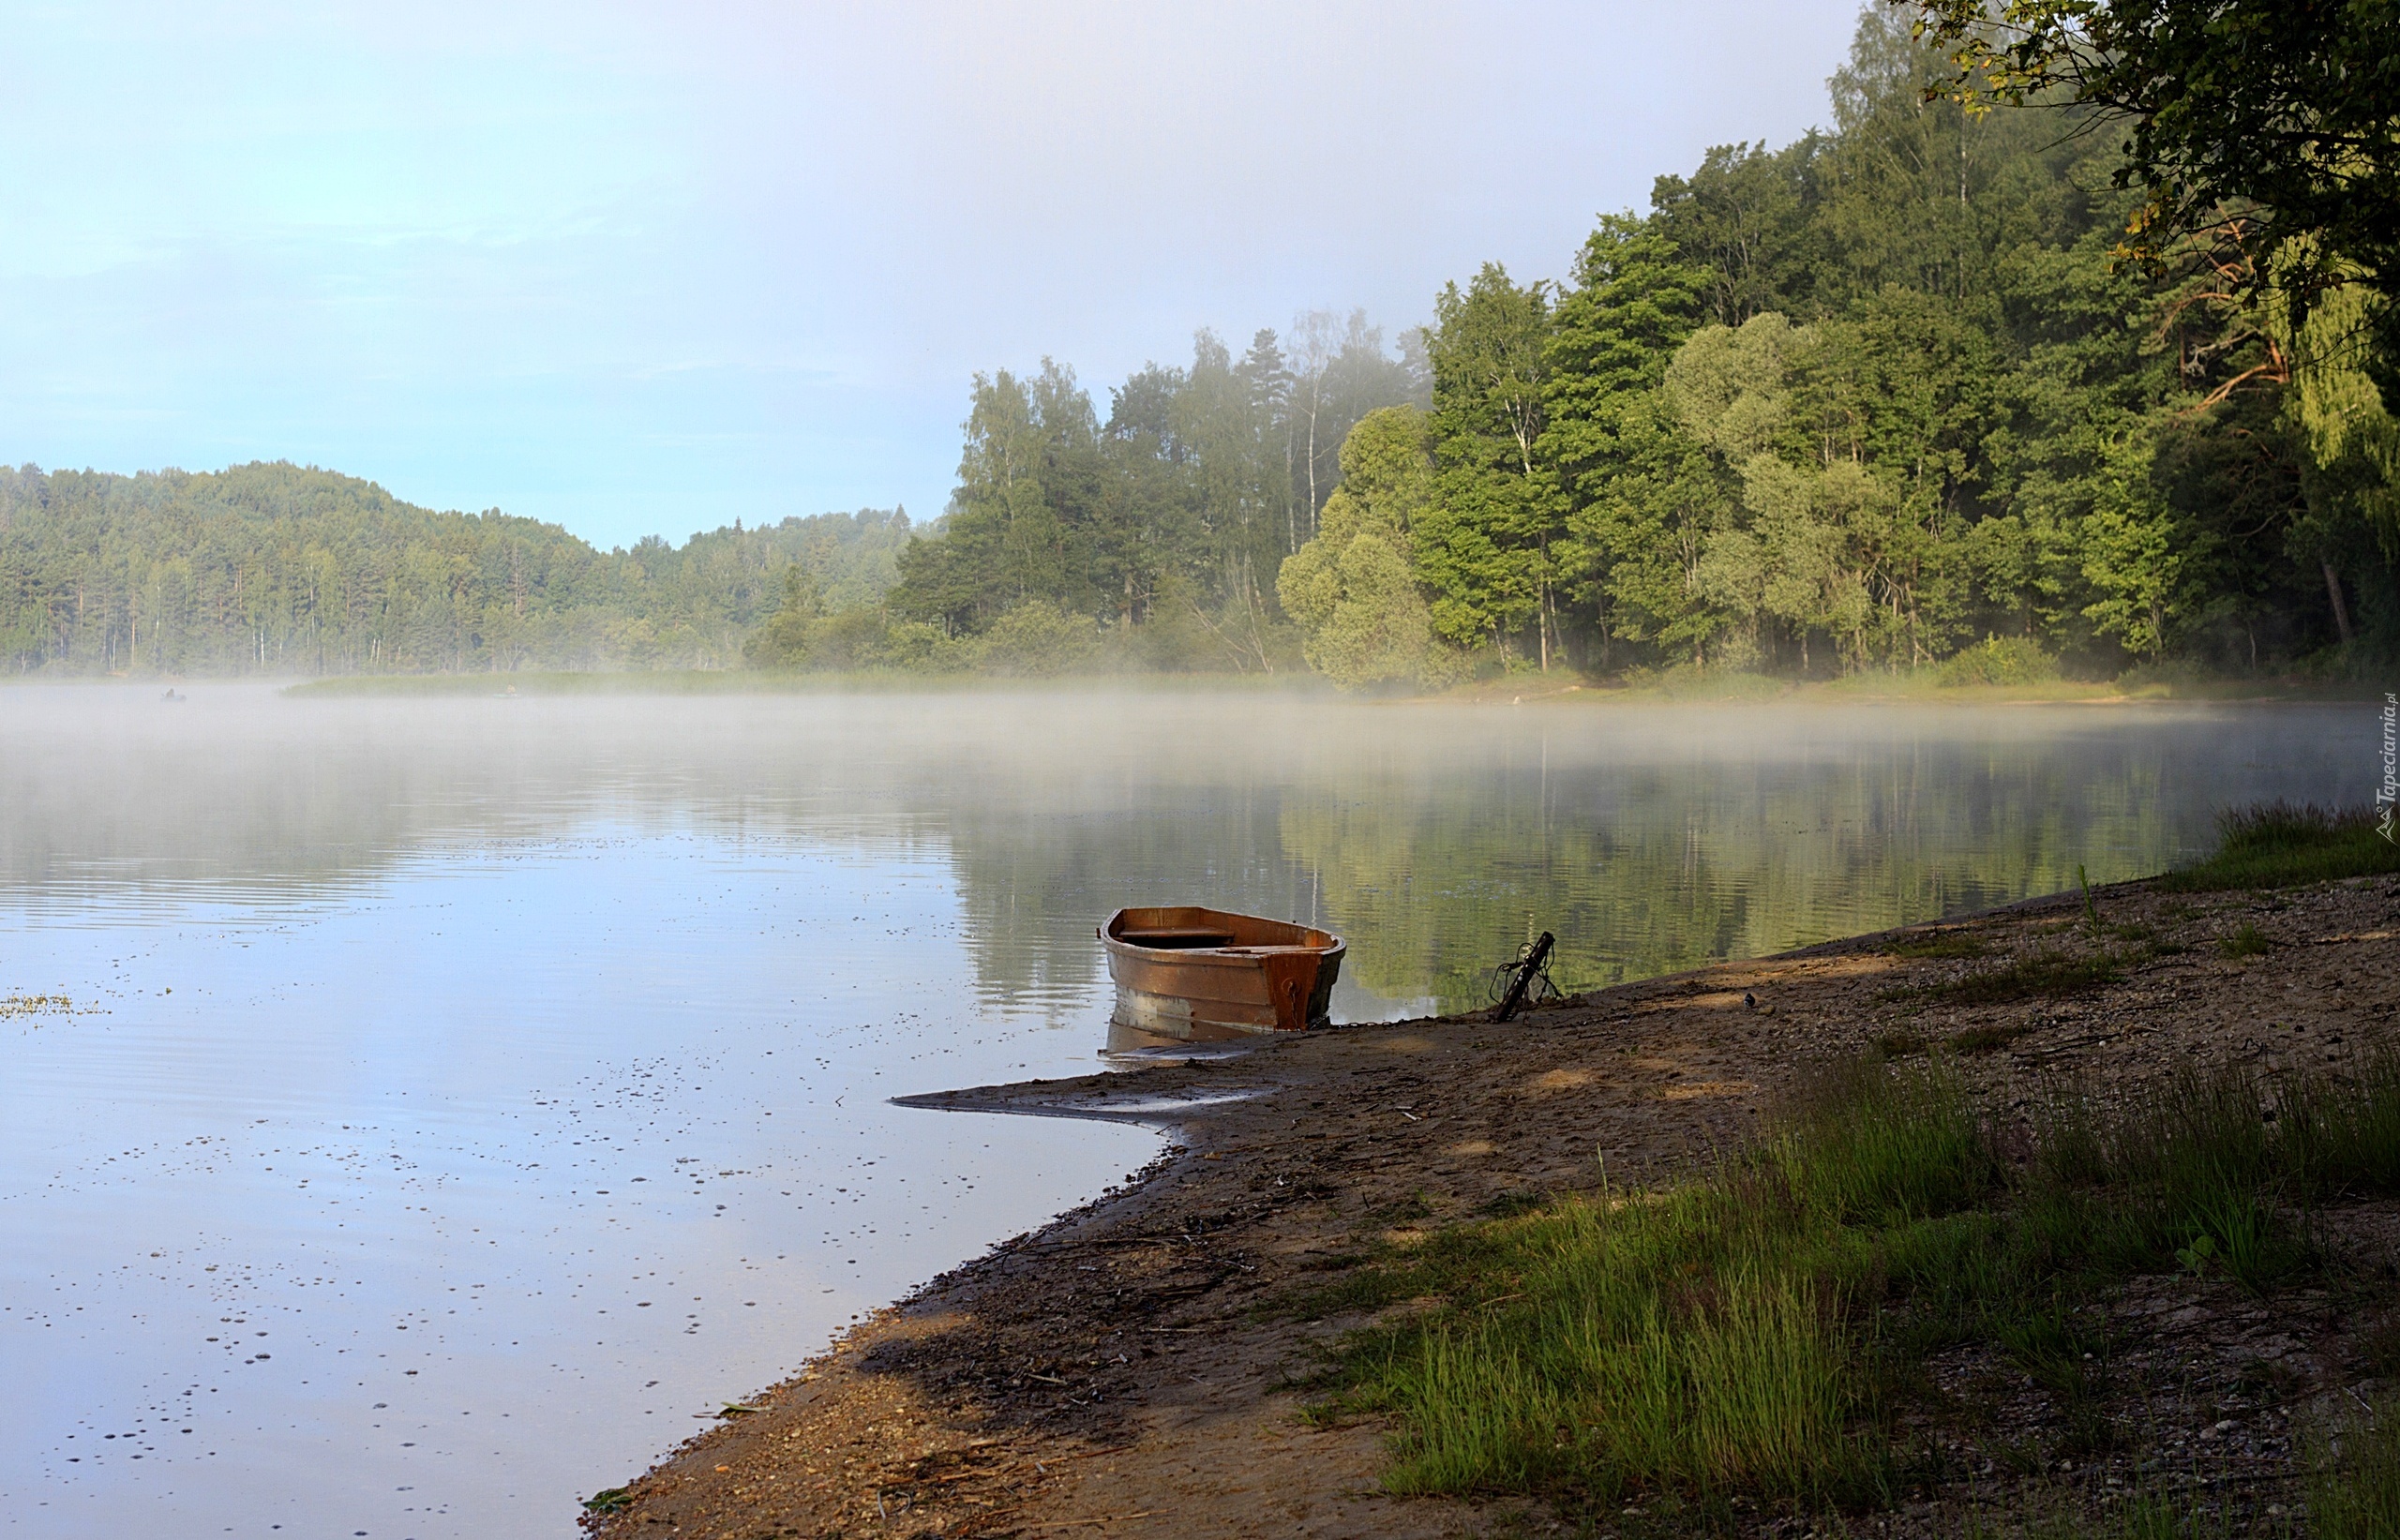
1857	402
1167	523
1353	587
2287	109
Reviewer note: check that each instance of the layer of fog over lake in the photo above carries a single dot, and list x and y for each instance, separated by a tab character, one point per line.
460	1095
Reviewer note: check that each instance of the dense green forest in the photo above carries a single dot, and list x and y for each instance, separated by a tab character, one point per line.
278	570
1887	395
1936	386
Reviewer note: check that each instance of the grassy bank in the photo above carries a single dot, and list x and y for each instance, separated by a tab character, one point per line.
1922	687
462	686
1757	1334
733	681
1713	690
2277	845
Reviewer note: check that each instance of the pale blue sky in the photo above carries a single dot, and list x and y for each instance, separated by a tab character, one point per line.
647	268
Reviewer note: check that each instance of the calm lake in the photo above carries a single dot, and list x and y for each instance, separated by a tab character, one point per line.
416	1116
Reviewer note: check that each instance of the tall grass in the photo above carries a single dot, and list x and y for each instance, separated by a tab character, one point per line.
1863	1144
2282	844
2200	1170
1705	1339
2186	1174
1695	1341
2344	1140
1739	1332
2354	1491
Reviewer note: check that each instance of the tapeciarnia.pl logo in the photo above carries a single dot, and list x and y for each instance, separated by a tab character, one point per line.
2388	793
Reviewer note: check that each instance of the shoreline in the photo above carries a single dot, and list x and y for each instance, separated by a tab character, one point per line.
1141	1365
1514	690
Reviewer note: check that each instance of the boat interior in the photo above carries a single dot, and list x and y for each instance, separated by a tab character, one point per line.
1176	938
1212	930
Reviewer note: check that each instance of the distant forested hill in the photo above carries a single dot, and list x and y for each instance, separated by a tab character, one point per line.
278	570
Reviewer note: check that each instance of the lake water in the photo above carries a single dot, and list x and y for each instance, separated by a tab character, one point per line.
416	1116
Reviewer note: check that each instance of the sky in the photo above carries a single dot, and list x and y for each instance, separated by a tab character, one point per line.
649	268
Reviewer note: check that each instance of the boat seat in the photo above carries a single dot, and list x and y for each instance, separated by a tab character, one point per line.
1177	939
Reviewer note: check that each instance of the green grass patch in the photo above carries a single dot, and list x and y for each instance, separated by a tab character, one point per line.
1987	1040
1751	1331
2247	941
2354	1489
2281	844
2345	1141
1938	945
2043	972
1670	1343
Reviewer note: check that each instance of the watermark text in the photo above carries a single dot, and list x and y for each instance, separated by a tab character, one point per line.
2388	793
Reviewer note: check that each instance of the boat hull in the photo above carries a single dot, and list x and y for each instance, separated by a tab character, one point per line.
1193	975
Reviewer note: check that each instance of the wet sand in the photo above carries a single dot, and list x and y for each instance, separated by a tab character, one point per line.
1131	1369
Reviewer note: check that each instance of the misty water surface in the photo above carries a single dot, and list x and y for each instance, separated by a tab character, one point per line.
414	1113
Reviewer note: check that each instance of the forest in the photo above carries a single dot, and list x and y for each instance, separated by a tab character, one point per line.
282	571
1895	394
1902	394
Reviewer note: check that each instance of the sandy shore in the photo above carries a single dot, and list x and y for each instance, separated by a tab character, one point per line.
1129	1370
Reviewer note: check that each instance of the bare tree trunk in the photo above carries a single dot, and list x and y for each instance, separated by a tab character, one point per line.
2334	591
1313	499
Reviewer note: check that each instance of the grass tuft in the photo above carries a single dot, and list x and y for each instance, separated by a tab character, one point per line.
1649	1344
2043	972
1988	1039
1700	1339
2249	941
1862	1143
1938	945
2343	1141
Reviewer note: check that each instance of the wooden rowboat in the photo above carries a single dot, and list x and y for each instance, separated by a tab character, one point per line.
1193	975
